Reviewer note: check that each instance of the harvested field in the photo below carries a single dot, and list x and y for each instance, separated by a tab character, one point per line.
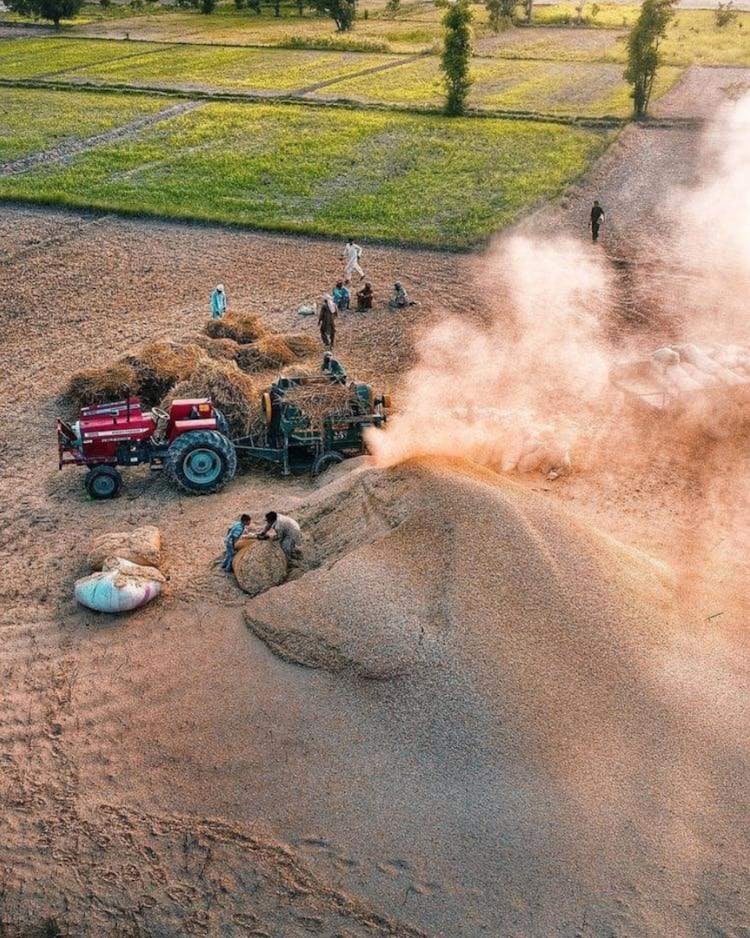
531	736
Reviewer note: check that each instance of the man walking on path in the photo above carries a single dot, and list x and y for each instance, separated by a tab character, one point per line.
286	530
218	302
327	321
597	220
235	532
351	256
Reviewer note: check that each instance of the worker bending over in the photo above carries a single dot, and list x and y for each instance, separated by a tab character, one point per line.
286	531
333	368
235	532
218	302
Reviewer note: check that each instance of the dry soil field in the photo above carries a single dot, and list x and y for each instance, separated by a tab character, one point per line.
496	720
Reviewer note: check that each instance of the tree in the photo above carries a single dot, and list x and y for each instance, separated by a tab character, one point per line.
208	6
500	13
643	51
456	56
342	12
54	10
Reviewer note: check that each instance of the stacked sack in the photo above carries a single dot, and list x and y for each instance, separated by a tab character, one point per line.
128	574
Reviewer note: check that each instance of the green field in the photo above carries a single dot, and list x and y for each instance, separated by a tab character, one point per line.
405	178
578	89
31	121
39	58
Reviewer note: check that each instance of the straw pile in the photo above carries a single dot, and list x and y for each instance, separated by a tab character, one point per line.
101	385
270	351
242	327
302	345
222	350
159	365
319	400
235	394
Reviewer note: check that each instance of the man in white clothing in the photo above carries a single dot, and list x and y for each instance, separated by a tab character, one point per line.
286	530
351	256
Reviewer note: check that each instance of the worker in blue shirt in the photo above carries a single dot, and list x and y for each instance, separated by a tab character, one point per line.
341	296
218	302
235	532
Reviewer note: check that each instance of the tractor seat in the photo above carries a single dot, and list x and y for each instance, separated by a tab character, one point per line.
161	421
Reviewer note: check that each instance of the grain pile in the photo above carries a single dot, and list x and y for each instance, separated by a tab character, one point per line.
233	392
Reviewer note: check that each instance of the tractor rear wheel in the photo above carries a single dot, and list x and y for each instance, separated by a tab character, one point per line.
201	462
325	461
103	482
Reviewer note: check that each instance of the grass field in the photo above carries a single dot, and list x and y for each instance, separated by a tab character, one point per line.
548	87
36	58
406	178
39	120
693	37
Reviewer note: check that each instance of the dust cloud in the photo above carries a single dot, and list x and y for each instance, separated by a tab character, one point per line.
510	394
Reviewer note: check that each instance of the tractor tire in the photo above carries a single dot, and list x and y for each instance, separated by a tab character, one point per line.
201	462
325	461
222	424
103	482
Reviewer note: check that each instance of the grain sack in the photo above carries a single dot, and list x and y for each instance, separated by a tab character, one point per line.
139	546
259	565
113	591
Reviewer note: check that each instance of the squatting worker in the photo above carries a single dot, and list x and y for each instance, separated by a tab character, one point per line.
235	532
327	321
341	296
333	368
218	302
364	296
286	530
597	220
351	256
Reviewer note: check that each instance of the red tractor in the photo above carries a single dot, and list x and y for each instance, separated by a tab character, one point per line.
190	443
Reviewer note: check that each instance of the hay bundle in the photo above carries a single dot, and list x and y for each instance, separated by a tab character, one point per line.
304	372
235	394
101	385
271	351
242	327
318	400
302	346
159	365
259	565
221	350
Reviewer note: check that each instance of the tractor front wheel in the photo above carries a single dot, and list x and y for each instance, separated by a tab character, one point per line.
325	461
103	482
201	462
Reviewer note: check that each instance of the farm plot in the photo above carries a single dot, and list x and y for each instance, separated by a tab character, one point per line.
226	68
577	89
406	178
39	58
60	117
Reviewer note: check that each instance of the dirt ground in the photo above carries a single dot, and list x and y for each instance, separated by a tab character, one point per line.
166	774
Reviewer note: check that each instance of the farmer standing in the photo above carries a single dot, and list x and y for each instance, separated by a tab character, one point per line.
351	256
218	302
597	220
327	321
286	531
235	532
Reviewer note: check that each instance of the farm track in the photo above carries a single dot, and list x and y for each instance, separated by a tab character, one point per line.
66	151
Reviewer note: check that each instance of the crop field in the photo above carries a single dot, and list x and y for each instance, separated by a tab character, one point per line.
40	58
579	89
61	117
405	178
228	68
693	36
